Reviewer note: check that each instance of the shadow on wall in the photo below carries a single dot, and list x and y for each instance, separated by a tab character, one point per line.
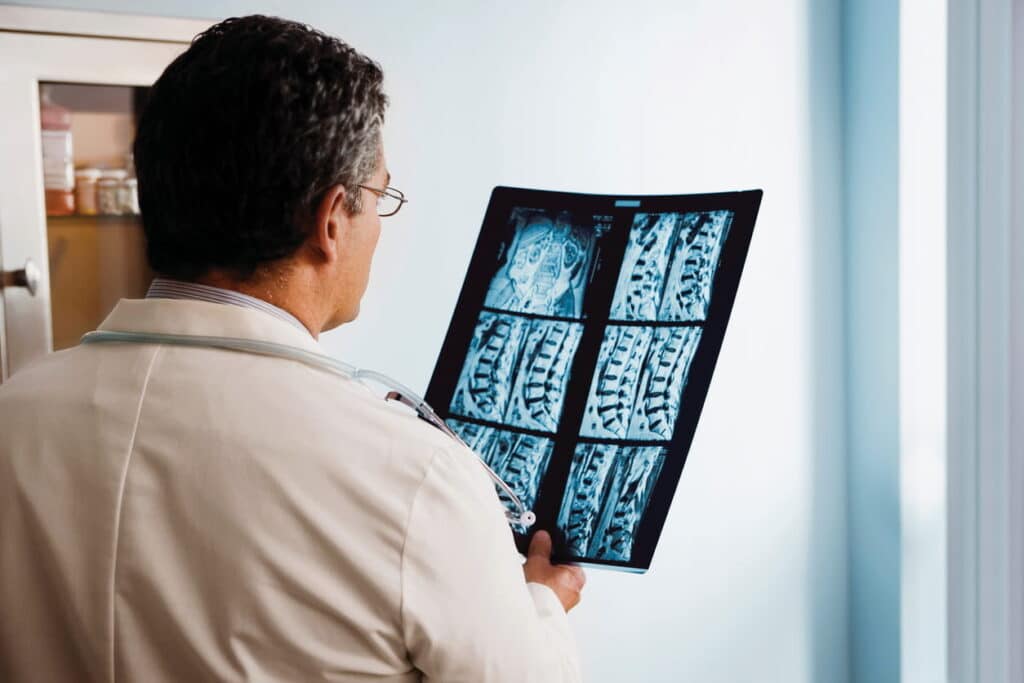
853	166
827	567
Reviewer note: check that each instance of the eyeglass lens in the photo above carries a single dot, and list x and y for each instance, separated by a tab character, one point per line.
387	205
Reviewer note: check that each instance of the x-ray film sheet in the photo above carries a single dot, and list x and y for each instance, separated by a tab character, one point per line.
581	350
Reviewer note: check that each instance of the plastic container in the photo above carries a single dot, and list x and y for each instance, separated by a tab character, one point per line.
108	191
58	161
128	197
86	188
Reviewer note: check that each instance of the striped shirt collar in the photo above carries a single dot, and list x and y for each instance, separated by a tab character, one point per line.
165	288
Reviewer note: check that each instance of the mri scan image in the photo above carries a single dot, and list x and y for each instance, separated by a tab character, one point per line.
547	264
516	371
606	497
669	265
520	459
639	381
581	351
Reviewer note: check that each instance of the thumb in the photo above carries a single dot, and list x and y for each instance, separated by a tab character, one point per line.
540	545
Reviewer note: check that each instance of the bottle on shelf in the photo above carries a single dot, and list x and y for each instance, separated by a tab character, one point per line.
58	162
129	197
109	191
86	181
130	187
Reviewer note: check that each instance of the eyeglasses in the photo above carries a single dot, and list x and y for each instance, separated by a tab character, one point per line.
389	200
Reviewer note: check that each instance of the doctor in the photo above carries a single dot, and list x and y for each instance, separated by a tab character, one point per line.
196	514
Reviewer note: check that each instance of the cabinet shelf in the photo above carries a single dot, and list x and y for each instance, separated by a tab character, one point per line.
79	219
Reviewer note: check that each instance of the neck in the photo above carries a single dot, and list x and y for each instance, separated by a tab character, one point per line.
288	291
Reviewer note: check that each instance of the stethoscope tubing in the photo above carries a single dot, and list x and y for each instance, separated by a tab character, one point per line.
318	361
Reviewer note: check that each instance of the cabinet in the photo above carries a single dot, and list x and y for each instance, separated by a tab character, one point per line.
62	274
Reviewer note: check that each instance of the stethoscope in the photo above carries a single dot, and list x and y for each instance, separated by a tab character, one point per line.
396	391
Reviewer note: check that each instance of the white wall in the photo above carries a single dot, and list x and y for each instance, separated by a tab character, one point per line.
711	96
924	382
748	583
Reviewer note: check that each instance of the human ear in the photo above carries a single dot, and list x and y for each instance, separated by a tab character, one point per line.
331	223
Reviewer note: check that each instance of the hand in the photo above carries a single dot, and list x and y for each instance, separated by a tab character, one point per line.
566	581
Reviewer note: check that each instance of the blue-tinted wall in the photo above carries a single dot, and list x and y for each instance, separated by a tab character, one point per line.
870	31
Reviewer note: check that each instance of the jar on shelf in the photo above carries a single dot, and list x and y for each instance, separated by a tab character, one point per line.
108	191
58	164
128	199
86	186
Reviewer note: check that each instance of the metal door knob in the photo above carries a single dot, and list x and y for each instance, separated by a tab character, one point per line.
28	277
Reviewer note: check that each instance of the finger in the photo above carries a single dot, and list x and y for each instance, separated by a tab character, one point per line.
540	545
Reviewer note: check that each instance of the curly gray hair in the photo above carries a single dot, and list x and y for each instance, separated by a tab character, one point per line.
241	137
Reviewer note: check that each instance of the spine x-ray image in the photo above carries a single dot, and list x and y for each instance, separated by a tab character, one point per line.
581	351
639	381
521	460
546	266
606	497
669	266
516	371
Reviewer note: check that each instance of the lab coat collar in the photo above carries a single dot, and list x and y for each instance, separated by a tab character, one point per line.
175	316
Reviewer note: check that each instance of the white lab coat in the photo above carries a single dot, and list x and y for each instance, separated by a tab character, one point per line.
179	514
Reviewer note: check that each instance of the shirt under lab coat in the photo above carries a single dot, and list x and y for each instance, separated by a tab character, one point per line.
181	514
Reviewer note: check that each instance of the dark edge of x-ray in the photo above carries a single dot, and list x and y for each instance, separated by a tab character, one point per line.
580	353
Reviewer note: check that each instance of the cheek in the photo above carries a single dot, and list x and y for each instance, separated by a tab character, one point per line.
369	246
376	232
374	238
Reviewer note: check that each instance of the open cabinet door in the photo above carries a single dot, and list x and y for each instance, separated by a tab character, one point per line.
63	273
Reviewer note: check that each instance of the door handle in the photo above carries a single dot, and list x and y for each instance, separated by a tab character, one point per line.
28	277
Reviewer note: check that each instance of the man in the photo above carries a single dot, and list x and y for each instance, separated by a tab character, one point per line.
171	513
